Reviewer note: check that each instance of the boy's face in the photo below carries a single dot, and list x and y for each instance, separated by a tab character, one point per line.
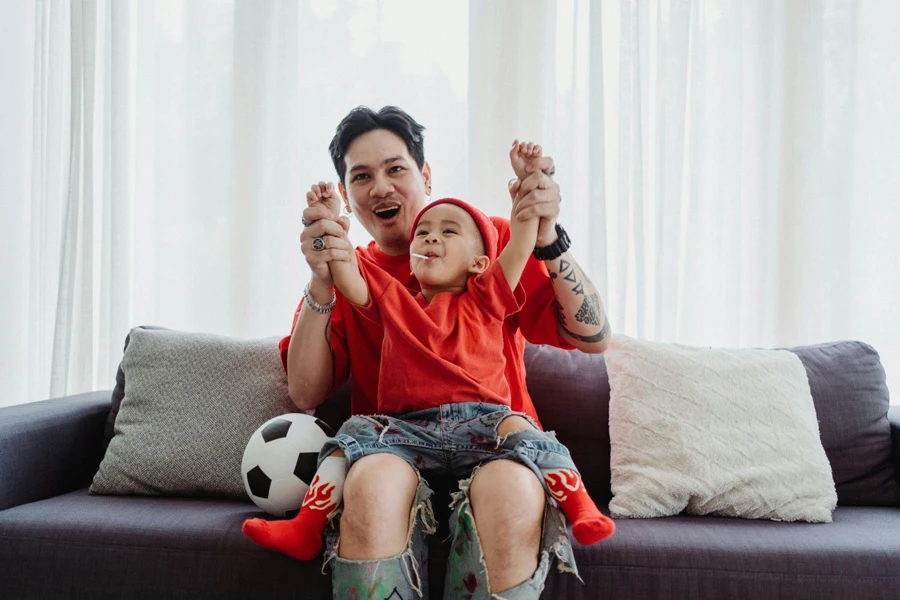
449	236
384	188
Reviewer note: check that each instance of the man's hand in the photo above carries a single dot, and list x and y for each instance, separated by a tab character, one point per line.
321	221
538	195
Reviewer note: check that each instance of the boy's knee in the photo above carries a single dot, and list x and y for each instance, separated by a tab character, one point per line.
378	494
508	491
512	423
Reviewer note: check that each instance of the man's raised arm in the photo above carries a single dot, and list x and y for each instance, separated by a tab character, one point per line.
582	320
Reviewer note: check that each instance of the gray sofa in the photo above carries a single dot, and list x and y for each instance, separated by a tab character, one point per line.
57	541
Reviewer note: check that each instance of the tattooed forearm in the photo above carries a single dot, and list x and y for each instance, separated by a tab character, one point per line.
570	281
589	313
560	314
590	339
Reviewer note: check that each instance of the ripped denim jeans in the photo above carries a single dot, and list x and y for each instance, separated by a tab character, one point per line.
454	439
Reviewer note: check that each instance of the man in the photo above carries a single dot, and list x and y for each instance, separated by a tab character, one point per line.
384	181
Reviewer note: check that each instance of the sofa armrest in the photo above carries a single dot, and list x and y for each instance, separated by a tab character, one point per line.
894	418
50	447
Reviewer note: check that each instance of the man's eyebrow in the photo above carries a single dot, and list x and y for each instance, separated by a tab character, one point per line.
386	161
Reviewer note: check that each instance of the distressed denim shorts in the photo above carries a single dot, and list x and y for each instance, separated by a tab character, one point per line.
454	439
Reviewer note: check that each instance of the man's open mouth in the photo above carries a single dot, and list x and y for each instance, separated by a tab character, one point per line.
387	212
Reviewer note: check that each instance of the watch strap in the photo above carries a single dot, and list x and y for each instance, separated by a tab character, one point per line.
557	248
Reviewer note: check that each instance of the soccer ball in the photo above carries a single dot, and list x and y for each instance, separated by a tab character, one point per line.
280	462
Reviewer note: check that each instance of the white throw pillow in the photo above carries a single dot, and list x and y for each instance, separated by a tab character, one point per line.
727	432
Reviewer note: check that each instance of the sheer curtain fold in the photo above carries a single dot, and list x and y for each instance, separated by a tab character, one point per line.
729	170
709	158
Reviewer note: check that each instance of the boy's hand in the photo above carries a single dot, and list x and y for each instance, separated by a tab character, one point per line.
325	195
525	158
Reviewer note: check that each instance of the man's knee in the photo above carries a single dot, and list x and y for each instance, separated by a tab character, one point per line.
378	496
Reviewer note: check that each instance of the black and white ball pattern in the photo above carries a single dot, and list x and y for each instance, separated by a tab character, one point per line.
280	461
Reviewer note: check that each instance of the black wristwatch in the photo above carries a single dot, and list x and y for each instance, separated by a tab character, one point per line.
556	249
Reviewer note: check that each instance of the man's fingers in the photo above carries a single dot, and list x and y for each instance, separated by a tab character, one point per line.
544	164
535	181
540	204
331	243
514	185
335	255
322	228
315	213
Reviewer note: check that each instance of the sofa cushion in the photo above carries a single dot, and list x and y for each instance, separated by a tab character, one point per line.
847	382
118	393
117	547
849	388
144	547
687	556
191	403
729	432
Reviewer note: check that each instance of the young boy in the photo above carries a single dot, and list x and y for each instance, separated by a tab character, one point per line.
442	390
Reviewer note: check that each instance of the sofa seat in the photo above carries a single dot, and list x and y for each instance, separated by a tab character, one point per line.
117	547
856	556
139	547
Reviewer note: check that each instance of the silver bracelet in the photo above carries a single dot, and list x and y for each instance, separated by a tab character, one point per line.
315	306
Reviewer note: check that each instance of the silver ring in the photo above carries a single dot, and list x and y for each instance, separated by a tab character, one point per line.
305	224
318	244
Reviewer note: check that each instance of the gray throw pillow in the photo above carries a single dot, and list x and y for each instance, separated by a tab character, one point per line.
191	402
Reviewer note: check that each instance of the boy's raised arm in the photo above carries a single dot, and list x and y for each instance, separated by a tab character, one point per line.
350	281
522	234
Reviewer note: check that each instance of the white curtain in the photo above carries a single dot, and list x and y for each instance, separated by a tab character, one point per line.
729	169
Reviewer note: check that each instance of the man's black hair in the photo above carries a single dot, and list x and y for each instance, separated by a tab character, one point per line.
363	119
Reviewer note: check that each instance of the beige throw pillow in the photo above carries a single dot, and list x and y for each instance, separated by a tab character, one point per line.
727	432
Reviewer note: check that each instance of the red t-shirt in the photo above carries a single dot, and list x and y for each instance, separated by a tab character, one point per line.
356	341
446	351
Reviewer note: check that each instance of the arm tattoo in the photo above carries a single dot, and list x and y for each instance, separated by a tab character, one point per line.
591	339
589	313
591	306
560	315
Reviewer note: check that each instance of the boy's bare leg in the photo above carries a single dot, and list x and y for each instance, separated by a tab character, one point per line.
378	497
508	505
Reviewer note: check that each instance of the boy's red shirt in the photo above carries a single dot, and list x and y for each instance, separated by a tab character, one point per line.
445	351
356	341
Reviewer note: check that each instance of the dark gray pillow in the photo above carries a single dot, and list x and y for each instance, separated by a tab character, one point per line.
848	385
849	389
190	403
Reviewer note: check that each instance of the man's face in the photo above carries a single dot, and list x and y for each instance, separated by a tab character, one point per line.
384	188
448	236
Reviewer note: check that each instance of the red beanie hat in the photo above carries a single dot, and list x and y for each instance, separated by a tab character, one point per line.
488	231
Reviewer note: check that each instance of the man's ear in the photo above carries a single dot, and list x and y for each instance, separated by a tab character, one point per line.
343	192
426	174
479	265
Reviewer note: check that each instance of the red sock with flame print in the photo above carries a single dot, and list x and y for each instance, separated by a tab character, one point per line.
301	537
589	525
